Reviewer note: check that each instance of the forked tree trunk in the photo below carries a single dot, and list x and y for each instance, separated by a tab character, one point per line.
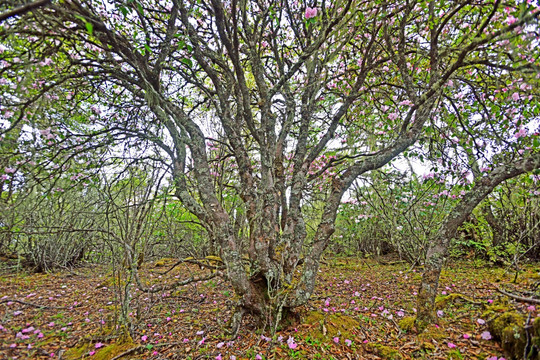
439	247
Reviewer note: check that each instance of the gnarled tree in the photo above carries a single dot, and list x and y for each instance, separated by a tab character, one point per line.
298	95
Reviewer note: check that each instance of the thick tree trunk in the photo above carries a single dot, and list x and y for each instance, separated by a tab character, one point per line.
439	247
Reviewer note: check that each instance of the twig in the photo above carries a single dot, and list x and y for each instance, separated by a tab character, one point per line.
172	267
520	298
196	262
455	296
528	344
23	9
37	305
174	285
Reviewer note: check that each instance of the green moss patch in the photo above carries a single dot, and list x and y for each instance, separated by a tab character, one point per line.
385	352
111	351
78	352
407	323
165	262
324	327
508	329
432	332
443	301
108	352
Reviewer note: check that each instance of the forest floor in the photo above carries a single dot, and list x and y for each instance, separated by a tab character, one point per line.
362	310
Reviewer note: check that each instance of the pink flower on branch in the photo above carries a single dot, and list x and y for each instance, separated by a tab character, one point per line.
311	12
521	133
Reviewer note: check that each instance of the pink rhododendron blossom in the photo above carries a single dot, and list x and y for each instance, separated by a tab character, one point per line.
486	335
522	132
291	344
311	12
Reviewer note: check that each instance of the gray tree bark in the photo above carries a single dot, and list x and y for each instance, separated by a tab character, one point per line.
439	246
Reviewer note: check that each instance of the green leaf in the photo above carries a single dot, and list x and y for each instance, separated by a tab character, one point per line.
140	8
89	27
188	62
536	143
149	346
123	10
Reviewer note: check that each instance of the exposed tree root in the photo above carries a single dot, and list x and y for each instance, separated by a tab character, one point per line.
37	305
517	297
236	321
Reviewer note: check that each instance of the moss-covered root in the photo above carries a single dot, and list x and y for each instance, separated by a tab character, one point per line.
385	352
442	301
535	339
509	329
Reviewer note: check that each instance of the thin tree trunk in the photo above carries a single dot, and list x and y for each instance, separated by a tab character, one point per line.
495	226
439	247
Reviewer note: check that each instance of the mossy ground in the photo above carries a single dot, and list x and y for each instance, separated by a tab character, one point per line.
360	309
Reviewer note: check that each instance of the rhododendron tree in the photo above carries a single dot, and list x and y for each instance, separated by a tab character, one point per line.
301	97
